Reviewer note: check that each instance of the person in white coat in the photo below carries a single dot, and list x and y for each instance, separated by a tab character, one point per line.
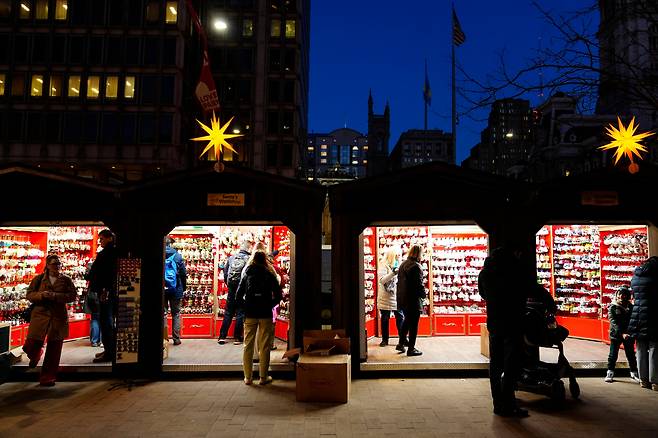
386	291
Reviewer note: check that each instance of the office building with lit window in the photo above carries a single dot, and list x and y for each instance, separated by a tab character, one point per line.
417	146
258	52
93	87
105	88
507	141
340	155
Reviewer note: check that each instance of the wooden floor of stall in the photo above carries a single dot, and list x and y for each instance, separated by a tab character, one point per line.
440	353
463	352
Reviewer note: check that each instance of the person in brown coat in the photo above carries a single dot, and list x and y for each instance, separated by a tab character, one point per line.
49	292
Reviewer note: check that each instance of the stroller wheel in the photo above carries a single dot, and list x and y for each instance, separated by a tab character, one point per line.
574	389
558	393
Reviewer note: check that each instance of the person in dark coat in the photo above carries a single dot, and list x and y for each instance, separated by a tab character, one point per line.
643	325
174	296
232	275
49	292
102	279
619	314
410	296
258	293
505	287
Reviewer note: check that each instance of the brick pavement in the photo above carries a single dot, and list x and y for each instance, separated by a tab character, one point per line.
227	408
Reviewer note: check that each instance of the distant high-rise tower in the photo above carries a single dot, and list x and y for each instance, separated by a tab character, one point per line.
379	128
628	50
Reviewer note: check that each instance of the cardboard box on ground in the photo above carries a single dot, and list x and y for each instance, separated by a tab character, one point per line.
324	367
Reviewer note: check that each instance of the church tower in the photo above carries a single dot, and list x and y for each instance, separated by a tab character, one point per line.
379	129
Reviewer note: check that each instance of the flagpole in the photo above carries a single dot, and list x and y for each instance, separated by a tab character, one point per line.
425	95
454	95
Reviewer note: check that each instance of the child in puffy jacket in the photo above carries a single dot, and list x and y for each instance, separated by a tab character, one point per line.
619	314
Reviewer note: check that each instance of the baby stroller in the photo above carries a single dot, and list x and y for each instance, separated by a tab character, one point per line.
542	330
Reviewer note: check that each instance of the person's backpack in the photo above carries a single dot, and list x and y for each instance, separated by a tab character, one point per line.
171	273
235	272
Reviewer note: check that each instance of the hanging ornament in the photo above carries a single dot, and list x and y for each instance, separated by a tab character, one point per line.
216	138
626	142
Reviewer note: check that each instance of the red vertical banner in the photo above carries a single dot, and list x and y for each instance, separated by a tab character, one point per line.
205	91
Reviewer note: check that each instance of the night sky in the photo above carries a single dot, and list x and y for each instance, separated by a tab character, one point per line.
382	45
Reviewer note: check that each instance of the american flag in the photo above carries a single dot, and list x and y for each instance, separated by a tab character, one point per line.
458	36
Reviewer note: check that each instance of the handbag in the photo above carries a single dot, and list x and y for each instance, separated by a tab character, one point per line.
91	304
26	314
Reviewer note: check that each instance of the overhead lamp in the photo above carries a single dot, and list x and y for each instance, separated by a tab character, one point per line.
173	10
220	25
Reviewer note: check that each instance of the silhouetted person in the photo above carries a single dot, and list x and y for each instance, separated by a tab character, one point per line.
103	281
505	288
232	276
175	281
643	325
410	296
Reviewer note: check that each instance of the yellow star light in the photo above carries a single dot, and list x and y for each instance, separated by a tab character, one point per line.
216	137
626	142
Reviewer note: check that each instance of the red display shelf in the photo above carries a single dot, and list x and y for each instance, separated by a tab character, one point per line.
474	322
16	335
586	328
79	328
218	326
370	282
449	325
622	250
605	330
196	326
371	327
425	326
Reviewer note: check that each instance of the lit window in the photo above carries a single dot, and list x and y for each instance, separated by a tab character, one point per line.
323	161
36	86
248	27
310	148
55	89
355	162
290	28
74	86
61	9
26	8
112	87
365	148
93	87
365	161
355	148
42	9
2	85
129	89
323	154
324	146
171	16
275	29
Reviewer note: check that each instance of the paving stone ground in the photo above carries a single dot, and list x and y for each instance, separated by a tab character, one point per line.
378	407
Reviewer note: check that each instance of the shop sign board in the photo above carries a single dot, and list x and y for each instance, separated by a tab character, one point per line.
600	199
226	199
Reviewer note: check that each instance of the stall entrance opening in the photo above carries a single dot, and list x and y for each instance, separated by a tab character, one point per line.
583	266
23	252
205	250
453	311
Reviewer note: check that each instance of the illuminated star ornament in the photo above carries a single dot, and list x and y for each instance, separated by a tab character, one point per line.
216	138
627	143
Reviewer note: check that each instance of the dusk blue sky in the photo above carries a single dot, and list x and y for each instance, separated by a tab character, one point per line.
357	45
